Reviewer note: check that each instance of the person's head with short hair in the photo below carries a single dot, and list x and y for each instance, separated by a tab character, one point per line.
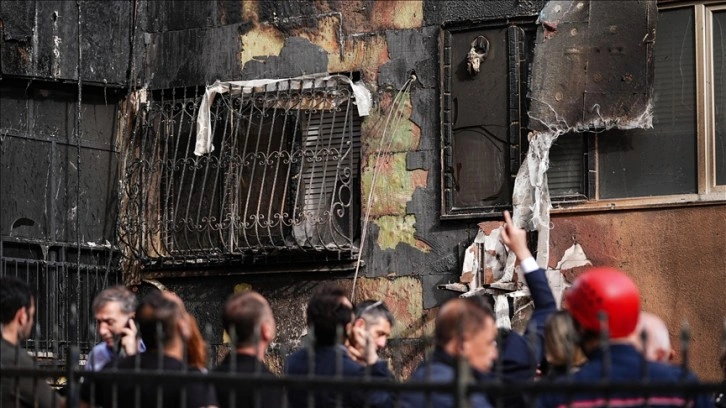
466	328
248	319
159	311
112	309
17	309
561	344
328	310
376	319
657	345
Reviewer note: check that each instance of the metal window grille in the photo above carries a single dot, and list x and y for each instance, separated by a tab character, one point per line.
63	292
283	178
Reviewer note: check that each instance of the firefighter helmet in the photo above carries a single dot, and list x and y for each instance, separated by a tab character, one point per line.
608	290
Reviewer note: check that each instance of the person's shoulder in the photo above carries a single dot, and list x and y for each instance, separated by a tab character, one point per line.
98	347
297	362
298	355
669	372
244	364
15	355
433	370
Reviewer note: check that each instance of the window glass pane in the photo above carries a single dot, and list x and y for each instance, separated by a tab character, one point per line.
662	160
566	175
481	175
719	94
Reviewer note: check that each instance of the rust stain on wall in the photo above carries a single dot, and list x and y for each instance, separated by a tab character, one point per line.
654	248
369	16
398	14
404	298
364	54
326	35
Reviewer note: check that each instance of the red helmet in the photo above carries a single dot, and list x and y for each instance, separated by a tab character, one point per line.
608	290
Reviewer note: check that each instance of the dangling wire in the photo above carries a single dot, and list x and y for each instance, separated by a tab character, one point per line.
395	111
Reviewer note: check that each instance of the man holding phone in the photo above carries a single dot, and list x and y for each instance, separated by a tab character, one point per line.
114	311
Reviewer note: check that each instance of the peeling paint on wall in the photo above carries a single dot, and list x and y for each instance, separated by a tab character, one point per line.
403	133
261	42
394	230
394	186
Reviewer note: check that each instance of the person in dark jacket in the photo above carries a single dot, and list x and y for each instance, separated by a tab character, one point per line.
329	317
477	323
607	293
519	359
248	318
465	330
17	315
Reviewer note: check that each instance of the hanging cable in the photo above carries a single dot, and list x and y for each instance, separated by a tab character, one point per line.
396	109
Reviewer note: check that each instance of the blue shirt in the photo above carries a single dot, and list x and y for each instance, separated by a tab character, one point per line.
101	354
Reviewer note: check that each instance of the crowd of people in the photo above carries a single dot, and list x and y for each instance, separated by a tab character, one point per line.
600	333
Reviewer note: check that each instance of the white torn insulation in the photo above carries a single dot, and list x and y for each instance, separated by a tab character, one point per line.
574	257
483	274
501	312
483	261
203	145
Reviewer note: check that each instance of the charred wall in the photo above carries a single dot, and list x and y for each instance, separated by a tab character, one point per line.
409	249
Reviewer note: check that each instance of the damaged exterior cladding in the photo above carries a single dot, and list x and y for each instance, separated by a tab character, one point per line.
673	251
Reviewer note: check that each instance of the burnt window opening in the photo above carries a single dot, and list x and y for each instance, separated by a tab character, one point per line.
484	71
683	155
281	186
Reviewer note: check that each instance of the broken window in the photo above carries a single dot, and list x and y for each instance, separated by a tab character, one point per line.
280	182
683	154
485	70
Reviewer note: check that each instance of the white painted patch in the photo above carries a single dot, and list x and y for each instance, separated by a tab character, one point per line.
574	257
57	41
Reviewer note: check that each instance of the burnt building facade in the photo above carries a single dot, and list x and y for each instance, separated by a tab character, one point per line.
214	146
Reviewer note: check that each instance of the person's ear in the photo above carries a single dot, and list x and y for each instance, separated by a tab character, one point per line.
267	332
359	323
22	316
672	356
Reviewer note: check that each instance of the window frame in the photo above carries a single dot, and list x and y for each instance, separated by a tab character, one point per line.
165	125
517	108
707	190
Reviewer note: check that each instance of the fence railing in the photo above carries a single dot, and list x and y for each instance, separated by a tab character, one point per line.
497	387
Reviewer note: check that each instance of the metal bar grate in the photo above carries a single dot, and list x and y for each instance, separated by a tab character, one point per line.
283	178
